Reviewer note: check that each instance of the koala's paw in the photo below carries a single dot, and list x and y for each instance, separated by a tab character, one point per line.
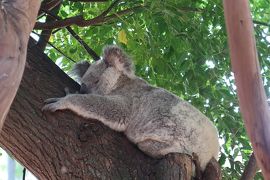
53	104
67	91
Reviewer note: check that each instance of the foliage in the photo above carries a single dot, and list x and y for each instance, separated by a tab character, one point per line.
180	46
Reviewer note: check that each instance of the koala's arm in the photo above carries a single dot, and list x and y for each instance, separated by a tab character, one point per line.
113	111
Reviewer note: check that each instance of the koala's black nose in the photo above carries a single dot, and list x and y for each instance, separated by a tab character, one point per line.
83	89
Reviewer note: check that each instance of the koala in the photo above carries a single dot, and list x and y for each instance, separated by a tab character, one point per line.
157	121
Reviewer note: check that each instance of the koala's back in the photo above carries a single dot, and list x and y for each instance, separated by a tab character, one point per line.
161	123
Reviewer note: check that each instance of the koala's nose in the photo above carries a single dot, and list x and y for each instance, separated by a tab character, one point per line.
83	89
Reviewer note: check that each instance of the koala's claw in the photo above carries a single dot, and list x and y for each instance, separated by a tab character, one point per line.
49	107
51	100
67	90
52	104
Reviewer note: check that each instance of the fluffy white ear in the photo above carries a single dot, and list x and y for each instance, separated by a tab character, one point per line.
116	57
79	69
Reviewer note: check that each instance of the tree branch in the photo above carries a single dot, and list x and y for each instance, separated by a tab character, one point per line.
46	34
89	50
17	19
109	9
57	49
261	23
49	5
247	73
24	173
89	1
79	21
122	13
250	169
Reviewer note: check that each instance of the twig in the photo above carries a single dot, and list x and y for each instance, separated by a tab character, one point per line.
88	0
121	13
49	5
261	23
79	21
24	173
69	58
61	52
89	50
58	50
250	169
109	9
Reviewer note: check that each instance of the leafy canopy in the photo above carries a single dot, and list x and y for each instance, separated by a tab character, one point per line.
180	46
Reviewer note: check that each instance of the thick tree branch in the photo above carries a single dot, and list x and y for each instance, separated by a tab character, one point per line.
81	22
247	73
250	169
17	19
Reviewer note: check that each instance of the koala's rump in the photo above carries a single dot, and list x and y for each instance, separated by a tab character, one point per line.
164	124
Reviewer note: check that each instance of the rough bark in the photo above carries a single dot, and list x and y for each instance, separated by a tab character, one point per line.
17	18
250	169
212	171
64	146
250	89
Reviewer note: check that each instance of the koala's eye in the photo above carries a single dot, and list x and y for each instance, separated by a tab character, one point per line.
96	81
83	89
106	63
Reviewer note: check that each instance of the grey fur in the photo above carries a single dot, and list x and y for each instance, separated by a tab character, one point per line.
79	69
157	121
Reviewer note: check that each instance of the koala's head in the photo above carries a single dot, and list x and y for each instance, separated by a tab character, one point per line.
103	75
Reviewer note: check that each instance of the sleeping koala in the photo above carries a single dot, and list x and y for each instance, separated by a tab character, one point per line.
157	121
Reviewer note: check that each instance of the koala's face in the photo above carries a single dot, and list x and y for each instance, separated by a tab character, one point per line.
103	75
92	77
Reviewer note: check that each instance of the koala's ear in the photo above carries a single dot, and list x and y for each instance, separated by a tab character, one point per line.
116	57
79	69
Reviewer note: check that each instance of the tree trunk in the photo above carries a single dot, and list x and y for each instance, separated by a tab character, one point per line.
247	73
17	19
62	145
